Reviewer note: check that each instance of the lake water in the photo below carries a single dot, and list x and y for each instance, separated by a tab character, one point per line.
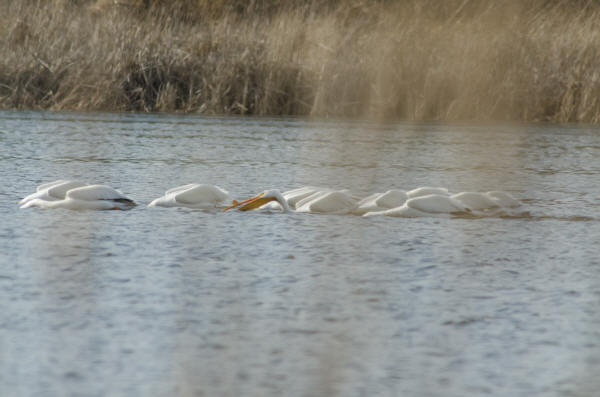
176	302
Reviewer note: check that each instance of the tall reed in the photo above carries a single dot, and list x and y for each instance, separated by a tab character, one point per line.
412	60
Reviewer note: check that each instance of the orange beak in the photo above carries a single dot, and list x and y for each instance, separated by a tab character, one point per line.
249	204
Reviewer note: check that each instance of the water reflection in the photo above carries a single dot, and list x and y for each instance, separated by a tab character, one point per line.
181	302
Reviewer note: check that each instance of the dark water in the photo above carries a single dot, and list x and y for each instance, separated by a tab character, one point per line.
174	302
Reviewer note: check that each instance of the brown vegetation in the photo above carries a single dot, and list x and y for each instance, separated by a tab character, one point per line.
412	60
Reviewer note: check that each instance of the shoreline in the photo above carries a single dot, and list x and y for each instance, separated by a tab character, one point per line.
377	61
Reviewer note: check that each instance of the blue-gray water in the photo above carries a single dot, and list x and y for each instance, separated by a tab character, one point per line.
174	302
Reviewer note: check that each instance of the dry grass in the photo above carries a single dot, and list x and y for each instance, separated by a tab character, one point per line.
413	60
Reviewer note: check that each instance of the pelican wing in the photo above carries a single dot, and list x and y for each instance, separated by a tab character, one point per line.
181	188
475	201
436	204
293	197
45	186
95	192
199	194
368	204
52	191
60	190
391	199
380	202
329	202
403	211
309	199
426	190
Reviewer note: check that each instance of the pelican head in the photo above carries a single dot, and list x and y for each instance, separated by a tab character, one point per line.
259	200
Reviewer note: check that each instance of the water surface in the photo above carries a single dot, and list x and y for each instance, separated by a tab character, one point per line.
157	302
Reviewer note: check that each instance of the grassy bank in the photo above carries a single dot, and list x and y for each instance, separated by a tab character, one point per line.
412	60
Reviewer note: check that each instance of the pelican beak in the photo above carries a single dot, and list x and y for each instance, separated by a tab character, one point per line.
249	204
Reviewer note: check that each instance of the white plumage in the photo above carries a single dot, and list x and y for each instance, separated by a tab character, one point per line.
87	197
335	202
321	202
423	201
426	190
193	196
476	201
380	202
293	197
442	204
52	191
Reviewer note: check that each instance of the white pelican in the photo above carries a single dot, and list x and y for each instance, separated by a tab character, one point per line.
293	197
324	202
476	201
426	190
52	191
260	200
193	196
296	195
380	202
486	201
334	202
428	205
91	197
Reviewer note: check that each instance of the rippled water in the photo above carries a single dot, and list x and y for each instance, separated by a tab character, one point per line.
175	302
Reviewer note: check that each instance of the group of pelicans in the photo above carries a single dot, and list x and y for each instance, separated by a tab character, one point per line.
423	201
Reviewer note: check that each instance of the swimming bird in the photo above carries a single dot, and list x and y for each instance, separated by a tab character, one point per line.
427	205
294	196
324	202
52	191
193	196
333	202
381	202
476	201
260	200
90	197
486	201
426	190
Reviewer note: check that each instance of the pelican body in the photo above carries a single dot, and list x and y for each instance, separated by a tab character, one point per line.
423	201
87	197
381	202
438	202
321	202
52	191
193	196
